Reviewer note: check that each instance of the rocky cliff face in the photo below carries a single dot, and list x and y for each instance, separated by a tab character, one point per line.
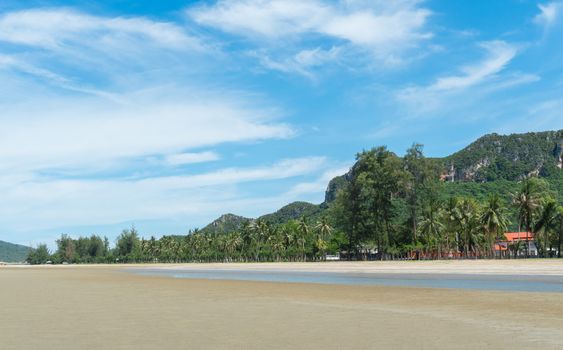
334	186
558	154
511	157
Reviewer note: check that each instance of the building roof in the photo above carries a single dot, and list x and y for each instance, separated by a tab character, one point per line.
513	237
519	236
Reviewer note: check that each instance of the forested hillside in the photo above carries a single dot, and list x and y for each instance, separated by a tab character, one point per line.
492	164
513	157
10	252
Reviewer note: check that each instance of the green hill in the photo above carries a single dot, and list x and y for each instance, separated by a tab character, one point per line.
293	211
511	157
493	163
229	222
226	223
10	252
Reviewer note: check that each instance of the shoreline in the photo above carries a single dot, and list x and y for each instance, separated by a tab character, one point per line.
520	267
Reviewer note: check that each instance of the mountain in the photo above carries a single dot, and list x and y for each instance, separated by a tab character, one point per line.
333	187
293	211
10	252
226	223
493	163
229	222
512	157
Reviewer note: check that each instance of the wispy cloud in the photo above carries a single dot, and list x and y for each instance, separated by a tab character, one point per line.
484	74
191	158
69	133
304	62
382	30
89	102
372	24
105	201
499	54
71	50
55	29
549	14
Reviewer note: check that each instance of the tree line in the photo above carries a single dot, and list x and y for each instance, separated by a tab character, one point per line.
389	208
395	207
257	241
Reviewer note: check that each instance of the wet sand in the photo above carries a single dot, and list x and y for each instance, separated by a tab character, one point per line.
102	307
550	267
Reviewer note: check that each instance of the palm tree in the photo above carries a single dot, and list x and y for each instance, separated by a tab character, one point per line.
547	222
323	229
493	220
453	220
431	227
527	201
260	230
469	215
303	228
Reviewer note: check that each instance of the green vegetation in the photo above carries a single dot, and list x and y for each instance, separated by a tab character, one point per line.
385	207
10	252
513	157
226	223
294	211
39	255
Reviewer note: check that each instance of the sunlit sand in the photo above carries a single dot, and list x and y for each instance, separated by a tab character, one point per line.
82	307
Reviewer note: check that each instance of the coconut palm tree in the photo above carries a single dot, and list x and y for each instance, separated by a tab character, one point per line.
527	201
303	228
453	221
323	229
431	227
493	220
548	221
469	210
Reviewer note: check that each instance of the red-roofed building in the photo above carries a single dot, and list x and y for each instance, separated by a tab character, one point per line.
520	243
519	236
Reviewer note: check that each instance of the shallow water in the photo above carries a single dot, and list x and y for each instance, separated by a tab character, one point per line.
521	283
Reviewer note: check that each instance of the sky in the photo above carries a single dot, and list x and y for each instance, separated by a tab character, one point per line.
167	114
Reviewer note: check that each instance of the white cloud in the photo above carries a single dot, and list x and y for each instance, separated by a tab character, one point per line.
259	17
371	24
55	202
382	29
549	13
75	133
485	74
499	54
89	103
304	62
56	28
93	55
191	158
282	169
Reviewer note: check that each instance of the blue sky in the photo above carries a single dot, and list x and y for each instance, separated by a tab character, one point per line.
166	114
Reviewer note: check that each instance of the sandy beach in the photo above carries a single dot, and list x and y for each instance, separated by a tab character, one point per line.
103	307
